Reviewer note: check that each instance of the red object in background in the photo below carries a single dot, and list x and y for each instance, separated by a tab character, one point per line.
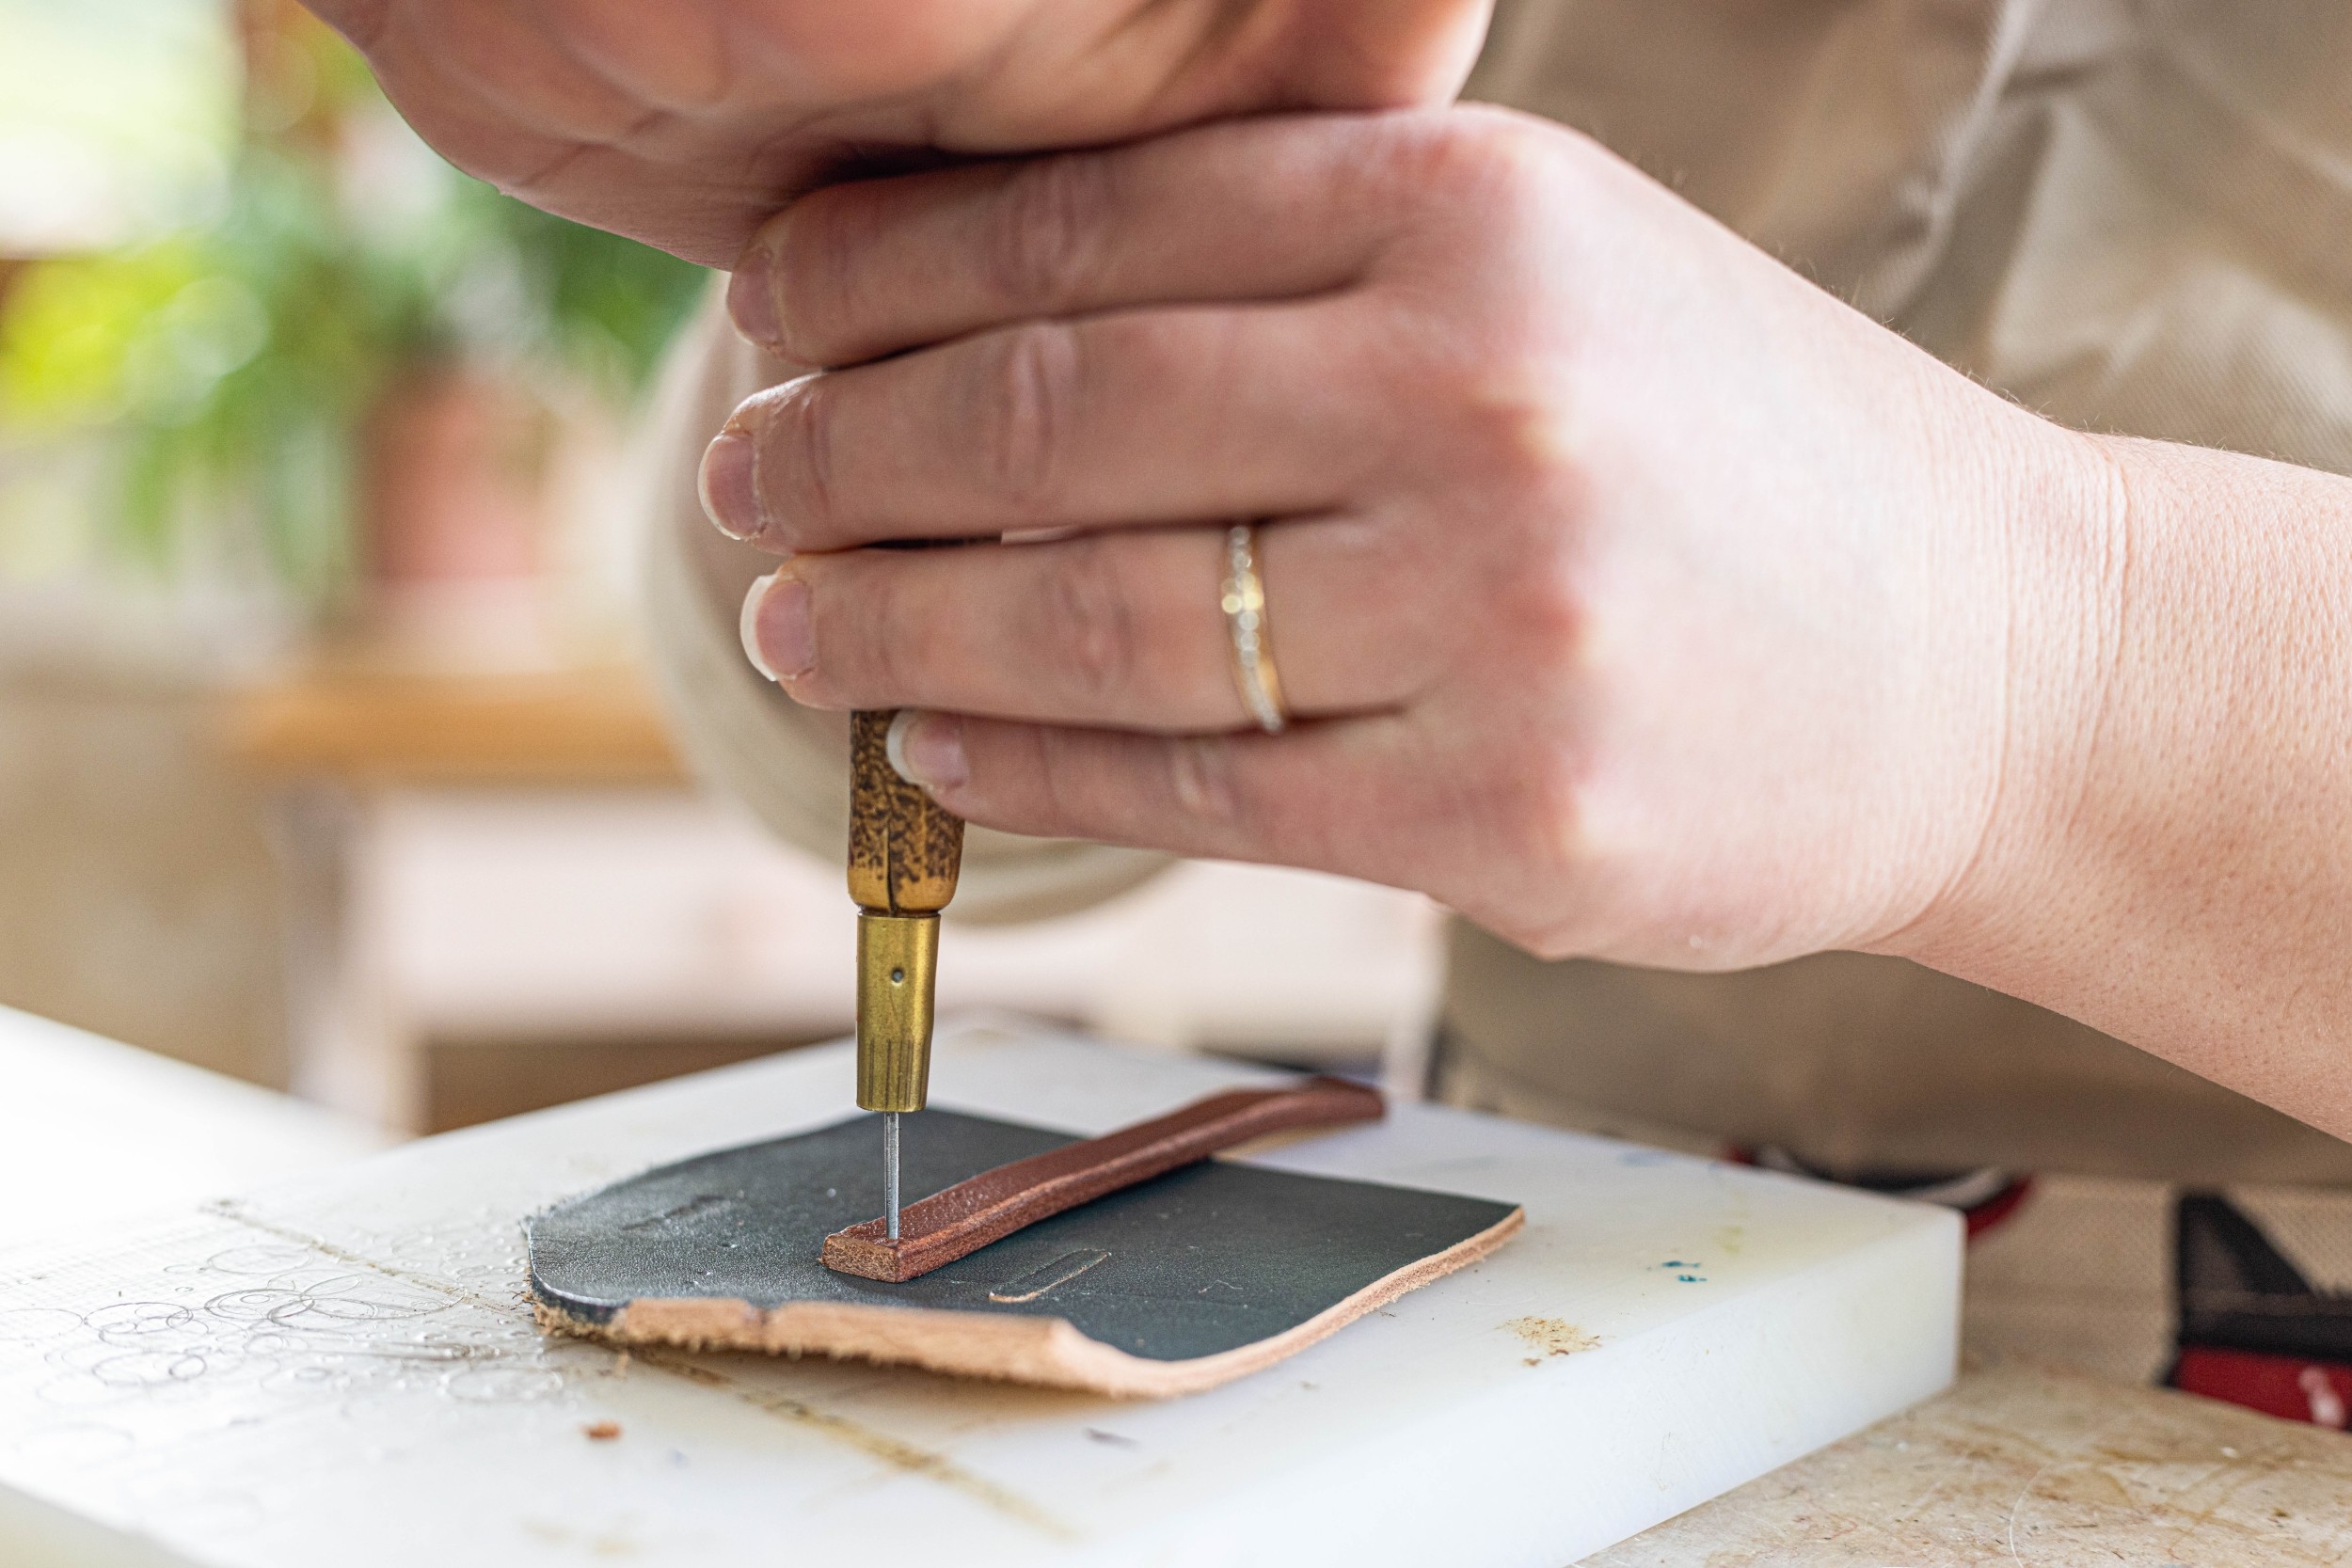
454	481
1981	1214
2000	1206
2289	1386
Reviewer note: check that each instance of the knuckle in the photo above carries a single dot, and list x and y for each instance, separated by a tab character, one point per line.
1516	424
1504	374
824	252
1034	384
1043	241
1499	406
1201	784
817	245
1091	624
796	464
1503	156
1070	779
1544	611
1472	155
870	650
1555	617
1078	782
1546	804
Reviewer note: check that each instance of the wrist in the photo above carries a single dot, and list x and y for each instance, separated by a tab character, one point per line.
2059	542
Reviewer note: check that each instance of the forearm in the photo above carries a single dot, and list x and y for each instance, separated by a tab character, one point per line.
2171	857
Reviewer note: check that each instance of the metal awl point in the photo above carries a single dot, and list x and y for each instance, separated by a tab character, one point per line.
896	958
904	854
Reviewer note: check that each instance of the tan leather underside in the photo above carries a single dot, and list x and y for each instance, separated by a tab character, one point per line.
1006	1347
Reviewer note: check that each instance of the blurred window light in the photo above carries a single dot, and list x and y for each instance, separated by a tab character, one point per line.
116	120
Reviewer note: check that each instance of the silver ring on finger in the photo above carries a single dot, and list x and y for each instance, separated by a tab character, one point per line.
1243	599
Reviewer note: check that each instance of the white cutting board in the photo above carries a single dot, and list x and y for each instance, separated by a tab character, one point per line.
340	1367
138	1131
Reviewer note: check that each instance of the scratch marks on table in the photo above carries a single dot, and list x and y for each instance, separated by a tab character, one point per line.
900	1456
508	1384
288	1324
2009	1524
231	1209
288	1317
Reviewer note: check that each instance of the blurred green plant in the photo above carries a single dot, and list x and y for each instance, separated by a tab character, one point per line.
234	364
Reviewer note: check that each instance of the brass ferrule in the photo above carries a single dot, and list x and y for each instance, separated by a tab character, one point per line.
897	959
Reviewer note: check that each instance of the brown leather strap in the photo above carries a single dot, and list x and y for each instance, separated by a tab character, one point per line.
993	1205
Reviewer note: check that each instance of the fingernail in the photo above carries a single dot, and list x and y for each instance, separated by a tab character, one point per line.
777	637
927	749
729	495
752	298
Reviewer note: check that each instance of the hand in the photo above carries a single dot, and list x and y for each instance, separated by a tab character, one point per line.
1635	597
688	123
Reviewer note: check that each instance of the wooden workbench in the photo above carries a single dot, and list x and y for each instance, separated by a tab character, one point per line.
2035	1466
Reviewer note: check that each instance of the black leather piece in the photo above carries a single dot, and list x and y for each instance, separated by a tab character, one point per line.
1206	1258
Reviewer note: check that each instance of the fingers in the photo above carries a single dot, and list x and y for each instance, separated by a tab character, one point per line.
1300	798
1166	416
496	64
1257	210
1384	797
1113	629
512	92
684	64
